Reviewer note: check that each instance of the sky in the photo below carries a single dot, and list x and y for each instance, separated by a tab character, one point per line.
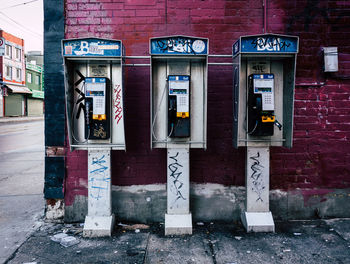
24	19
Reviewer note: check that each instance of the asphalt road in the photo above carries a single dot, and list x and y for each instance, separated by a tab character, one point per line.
21	182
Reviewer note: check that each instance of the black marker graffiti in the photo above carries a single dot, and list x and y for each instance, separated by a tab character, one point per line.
257	179
81	94
174	168
270	43
176	45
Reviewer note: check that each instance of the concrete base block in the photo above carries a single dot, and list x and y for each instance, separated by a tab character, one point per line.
178	224
98	226
258	222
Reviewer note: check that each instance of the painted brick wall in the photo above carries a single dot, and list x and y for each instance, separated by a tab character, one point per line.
320	156
54	99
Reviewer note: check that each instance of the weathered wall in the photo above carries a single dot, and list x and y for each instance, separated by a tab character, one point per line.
54	99
215	202
320	158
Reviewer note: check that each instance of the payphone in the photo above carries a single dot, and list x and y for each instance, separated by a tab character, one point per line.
179	70
93	73
94	93
179	106
261	105
263	99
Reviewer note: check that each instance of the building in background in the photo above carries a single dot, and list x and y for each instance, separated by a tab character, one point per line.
35	57
12	71
35	101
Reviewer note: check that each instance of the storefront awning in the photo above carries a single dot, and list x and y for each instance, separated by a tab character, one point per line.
18	89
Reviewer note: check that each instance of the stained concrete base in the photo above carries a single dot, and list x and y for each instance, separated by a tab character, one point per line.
178	224
216	202
258	222
98	226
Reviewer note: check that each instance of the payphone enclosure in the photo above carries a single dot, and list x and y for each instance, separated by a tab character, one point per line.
264	67
179	70
93	74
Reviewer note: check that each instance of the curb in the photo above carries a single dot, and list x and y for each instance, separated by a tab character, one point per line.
4	120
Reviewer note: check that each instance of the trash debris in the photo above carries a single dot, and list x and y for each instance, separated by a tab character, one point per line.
137	230
58	237
69	241
286	250
248	251
200	223
78	251
148	199
297	234
332	229
133	227
238	237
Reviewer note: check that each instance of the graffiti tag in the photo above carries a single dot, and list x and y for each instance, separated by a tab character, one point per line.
117	103
99	179
180	45
256	177
177	184
270	44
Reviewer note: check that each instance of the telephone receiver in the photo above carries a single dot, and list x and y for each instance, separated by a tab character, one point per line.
88	116
258	105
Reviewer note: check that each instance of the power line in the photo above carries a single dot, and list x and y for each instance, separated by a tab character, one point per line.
20	4
23	27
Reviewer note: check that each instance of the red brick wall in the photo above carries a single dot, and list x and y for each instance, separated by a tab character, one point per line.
321	153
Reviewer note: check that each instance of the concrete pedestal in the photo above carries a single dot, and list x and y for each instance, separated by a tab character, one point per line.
99	221
178	220
178	224
258	222
257	216
98	226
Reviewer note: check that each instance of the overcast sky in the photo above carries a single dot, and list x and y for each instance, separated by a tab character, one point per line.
24	19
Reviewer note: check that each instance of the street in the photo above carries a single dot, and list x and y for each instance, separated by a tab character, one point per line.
21	182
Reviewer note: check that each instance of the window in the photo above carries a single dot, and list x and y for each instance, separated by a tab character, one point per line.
8	72
8	51
18	74
37	79
18	54
29	77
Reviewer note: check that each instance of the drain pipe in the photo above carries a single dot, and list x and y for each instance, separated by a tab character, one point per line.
265	16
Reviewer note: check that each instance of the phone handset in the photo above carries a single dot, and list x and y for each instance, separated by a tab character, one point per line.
172	113
88	116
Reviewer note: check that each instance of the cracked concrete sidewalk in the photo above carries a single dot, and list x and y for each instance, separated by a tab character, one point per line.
315	241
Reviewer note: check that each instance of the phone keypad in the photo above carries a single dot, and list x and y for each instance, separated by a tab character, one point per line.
268	99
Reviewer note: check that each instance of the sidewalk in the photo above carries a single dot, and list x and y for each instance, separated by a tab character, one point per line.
316	241
16	119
